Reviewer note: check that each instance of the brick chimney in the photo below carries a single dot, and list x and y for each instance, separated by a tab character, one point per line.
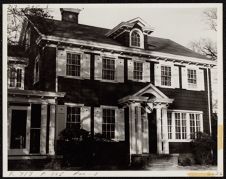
70	14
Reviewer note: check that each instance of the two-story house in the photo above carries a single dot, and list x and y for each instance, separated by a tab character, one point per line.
150	94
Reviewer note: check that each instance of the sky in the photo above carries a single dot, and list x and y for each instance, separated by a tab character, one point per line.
180	24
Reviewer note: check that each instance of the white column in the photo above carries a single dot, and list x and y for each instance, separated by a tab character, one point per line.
159	136
43	129
132	129
139	131
145	133
52	129
165	131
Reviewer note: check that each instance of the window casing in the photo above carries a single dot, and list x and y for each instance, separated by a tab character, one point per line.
135	39
73	67
192	78
73	117
108	124
138	71
108	69
16	77
183	126
166	75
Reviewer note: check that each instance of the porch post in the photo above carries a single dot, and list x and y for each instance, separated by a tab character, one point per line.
132	135
52	129
139	130
165	131
159	131
43	129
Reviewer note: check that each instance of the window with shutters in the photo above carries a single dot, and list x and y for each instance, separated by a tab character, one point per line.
192	78
73	117
138	71
166	75
183	126
16	77
73	66
108	124
108	69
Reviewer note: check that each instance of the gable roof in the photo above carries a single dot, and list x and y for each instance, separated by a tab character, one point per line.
96	34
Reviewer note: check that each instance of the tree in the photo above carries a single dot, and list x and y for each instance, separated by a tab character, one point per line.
206	46
15	17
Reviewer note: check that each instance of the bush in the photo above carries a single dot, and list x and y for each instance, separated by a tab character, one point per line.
186	159
202	148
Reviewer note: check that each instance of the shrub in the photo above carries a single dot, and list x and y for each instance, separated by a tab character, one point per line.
202	148
186	159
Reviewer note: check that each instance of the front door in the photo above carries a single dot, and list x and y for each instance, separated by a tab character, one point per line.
152	132
19	135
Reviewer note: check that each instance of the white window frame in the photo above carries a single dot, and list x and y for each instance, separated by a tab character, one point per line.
142	64
28	38
192	86
37	73
73	105
112	108
80	69
171	82
141	38
187	122
16	67
109	58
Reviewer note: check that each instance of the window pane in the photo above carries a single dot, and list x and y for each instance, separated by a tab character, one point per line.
138	70
169	120
73	117
192	78
73	64
165	76
108	126
135	39
108	70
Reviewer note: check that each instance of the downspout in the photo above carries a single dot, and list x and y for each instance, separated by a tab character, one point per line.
209	107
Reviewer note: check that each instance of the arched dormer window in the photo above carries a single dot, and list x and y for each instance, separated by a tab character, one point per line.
136	38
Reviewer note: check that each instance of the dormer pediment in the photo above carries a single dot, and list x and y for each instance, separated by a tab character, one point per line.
129	25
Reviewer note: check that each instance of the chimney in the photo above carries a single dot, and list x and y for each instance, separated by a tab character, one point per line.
70	14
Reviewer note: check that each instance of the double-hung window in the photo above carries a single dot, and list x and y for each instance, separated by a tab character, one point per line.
183	125
108	125
192	78
108	70
138	70
166	75
73	64
15	77
73	117
36	69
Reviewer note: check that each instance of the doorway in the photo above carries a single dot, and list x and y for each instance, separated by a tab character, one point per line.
152	132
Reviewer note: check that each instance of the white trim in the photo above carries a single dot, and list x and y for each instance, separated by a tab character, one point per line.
184	111
129	50
74	104
141	38
108	107
16	67
36	78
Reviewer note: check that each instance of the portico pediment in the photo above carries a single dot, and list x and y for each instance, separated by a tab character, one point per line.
149	94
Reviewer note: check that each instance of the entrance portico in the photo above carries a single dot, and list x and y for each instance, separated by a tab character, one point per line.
139	105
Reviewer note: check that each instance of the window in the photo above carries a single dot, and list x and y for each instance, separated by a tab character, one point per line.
165	75
169	121
108	125
73	64
195	125
138	70
108	71
15	77
27	38
73	117
184	125
36	69
192	78
135	39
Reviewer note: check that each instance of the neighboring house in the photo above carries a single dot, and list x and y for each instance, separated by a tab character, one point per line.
149	94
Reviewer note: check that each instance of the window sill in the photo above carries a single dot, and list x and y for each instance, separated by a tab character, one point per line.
109	81
73	77
162	86
179	140
21	88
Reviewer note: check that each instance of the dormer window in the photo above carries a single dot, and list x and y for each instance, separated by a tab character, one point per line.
136	38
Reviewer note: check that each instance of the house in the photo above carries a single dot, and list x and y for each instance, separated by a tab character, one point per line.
148	94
